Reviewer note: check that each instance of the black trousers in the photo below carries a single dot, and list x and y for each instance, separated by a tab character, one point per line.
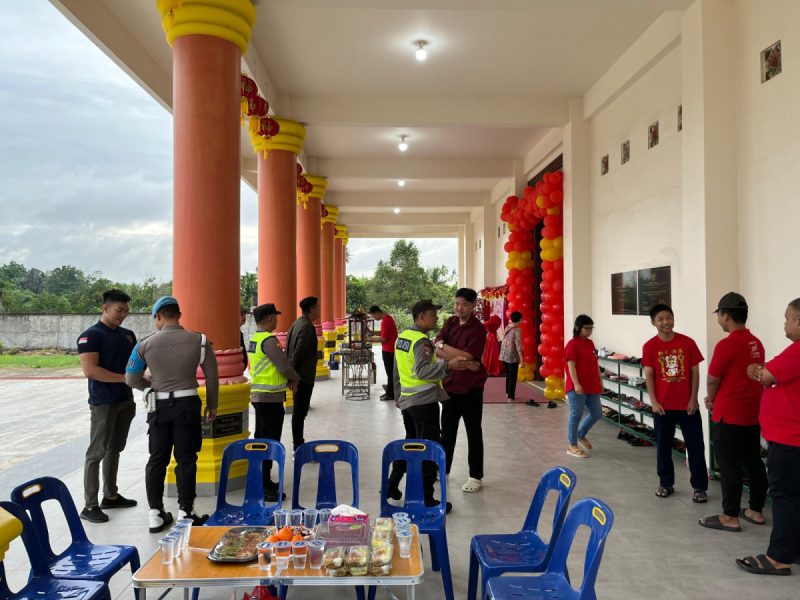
511	378
388	364
269	425
737	447
421	423
470	407
302	400
783	469
692	428
175	426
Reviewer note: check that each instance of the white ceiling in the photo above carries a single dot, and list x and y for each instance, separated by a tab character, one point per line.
497	79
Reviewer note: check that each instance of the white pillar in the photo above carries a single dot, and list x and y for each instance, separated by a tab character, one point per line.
489	243
462	259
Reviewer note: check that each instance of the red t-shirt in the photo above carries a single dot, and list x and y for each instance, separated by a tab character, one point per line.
738	397
470	337
581	351
780	404
388	333
672	362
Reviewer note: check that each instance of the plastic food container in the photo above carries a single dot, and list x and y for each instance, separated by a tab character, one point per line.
358	560
335	562
238	545
384	526
381	560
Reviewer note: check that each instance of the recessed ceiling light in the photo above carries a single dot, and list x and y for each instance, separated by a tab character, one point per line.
396	211
402	146
401	182
421	53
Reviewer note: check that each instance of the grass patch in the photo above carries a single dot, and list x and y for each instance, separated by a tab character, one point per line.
34	360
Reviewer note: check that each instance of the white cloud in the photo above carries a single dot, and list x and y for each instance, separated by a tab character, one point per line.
366	252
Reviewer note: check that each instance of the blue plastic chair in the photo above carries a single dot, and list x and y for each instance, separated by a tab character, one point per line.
524	551
594	514
82	559
41	583
254	511
429	519
326	453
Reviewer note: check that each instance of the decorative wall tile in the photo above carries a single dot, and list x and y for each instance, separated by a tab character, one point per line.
604	164
771	62
652	135
625	152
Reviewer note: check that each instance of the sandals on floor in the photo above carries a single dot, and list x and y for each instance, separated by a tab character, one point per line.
699	497
472	485
665	491
577	452
761	565
744	516
714	522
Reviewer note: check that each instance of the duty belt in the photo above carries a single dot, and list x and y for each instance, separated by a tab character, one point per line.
175	394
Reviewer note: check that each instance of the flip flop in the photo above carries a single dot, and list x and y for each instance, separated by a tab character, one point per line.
665	491
760	565
742	515
699	497
713	522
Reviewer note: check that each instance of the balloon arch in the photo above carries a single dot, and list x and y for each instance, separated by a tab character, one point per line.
541	203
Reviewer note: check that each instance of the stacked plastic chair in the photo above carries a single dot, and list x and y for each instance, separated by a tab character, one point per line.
81	559
554	583
524	551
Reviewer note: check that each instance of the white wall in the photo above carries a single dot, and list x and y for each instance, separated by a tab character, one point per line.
769	165
478	254
636	207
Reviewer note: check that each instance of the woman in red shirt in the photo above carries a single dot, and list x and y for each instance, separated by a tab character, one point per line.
583	386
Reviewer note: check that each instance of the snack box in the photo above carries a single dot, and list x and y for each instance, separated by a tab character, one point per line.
358	560
381	560
349	519
238	545
334	561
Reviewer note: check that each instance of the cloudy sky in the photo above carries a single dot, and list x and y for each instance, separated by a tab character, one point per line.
86	161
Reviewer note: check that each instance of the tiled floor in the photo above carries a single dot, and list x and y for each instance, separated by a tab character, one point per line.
656	550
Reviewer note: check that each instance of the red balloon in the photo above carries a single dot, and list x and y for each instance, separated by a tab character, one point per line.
557	177
557	265
550	276
556	197
558	284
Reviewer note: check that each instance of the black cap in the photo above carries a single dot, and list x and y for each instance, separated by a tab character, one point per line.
423	305
731	301
262	311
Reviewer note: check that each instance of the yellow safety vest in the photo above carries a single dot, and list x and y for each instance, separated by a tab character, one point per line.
410	384
264	375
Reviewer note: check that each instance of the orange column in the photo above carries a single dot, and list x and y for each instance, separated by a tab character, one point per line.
339	292
309	278
329	216
277	220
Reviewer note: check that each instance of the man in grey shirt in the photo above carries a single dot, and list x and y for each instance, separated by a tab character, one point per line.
172	354
301	348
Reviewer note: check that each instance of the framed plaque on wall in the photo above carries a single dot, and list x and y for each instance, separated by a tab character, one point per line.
655	287
623	293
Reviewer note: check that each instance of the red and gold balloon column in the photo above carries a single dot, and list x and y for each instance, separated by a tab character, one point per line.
541	202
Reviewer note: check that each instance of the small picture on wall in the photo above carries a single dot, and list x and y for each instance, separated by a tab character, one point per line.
652	135
625	152
680	117
771	62
604	164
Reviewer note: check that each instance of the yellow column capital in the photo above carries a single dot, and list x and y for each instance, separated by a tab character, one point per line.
290	137
333	214
320	184
230	20
341	233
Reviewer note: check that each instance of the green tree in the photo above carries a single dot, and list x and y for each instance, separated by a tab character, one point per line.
357	294
13	273
65	280
248	284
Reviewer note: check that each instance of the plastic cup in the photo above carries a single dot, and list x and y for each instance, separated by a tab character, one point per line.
264	551
283	550
182	532
167	544
404	542
299	554
281	516
177	550
402	522
310	517
400	515
295	517
323	514
316	551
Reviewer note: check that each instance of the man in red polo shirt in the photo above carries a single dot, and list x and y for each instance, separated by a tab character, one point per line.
671	369
464	335
734	399
388	336
780	426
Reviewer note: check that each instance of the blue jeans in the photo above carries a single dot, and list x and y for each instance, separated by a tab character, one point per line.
577	402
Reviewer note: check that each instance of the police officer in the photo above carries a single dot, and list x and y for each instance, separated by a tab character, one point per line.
270	375
418	375
174	408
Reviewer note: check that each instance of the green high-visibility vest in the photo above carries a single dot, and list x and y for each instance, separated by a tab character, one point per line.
264	375
410	384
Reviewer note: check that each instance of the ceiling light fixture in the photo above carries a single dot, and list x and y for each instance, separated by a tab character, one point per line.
396	211
421	53
401	182
402	146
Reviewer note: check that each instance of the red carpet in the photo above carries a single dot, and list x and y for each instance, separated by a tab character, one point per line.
495	392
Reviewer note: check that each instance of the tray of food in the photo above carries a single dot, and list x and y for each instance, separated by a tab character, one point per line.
238	545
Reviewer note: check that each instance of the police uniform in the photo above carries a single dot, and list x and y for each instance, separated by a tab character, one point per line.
270	373
418	376
172	355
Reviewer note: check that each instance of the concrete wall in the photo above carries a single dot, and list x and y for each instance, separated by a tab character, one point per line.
35	332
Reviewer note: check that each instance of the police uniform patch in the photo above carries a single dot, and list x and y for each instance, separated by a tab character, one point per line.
251	347
403	344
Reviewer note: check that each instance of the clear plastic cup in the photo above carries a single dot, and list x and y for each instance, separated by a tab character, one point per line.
182	533
400	515
281	517
264	551
167	544
316	550
323	514
283	551
404	542
177	549
402	522
310	517
295	517
299	554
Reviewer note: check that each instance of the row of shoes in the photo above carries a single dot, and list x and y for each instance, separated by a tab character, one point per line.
633	440
606	353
